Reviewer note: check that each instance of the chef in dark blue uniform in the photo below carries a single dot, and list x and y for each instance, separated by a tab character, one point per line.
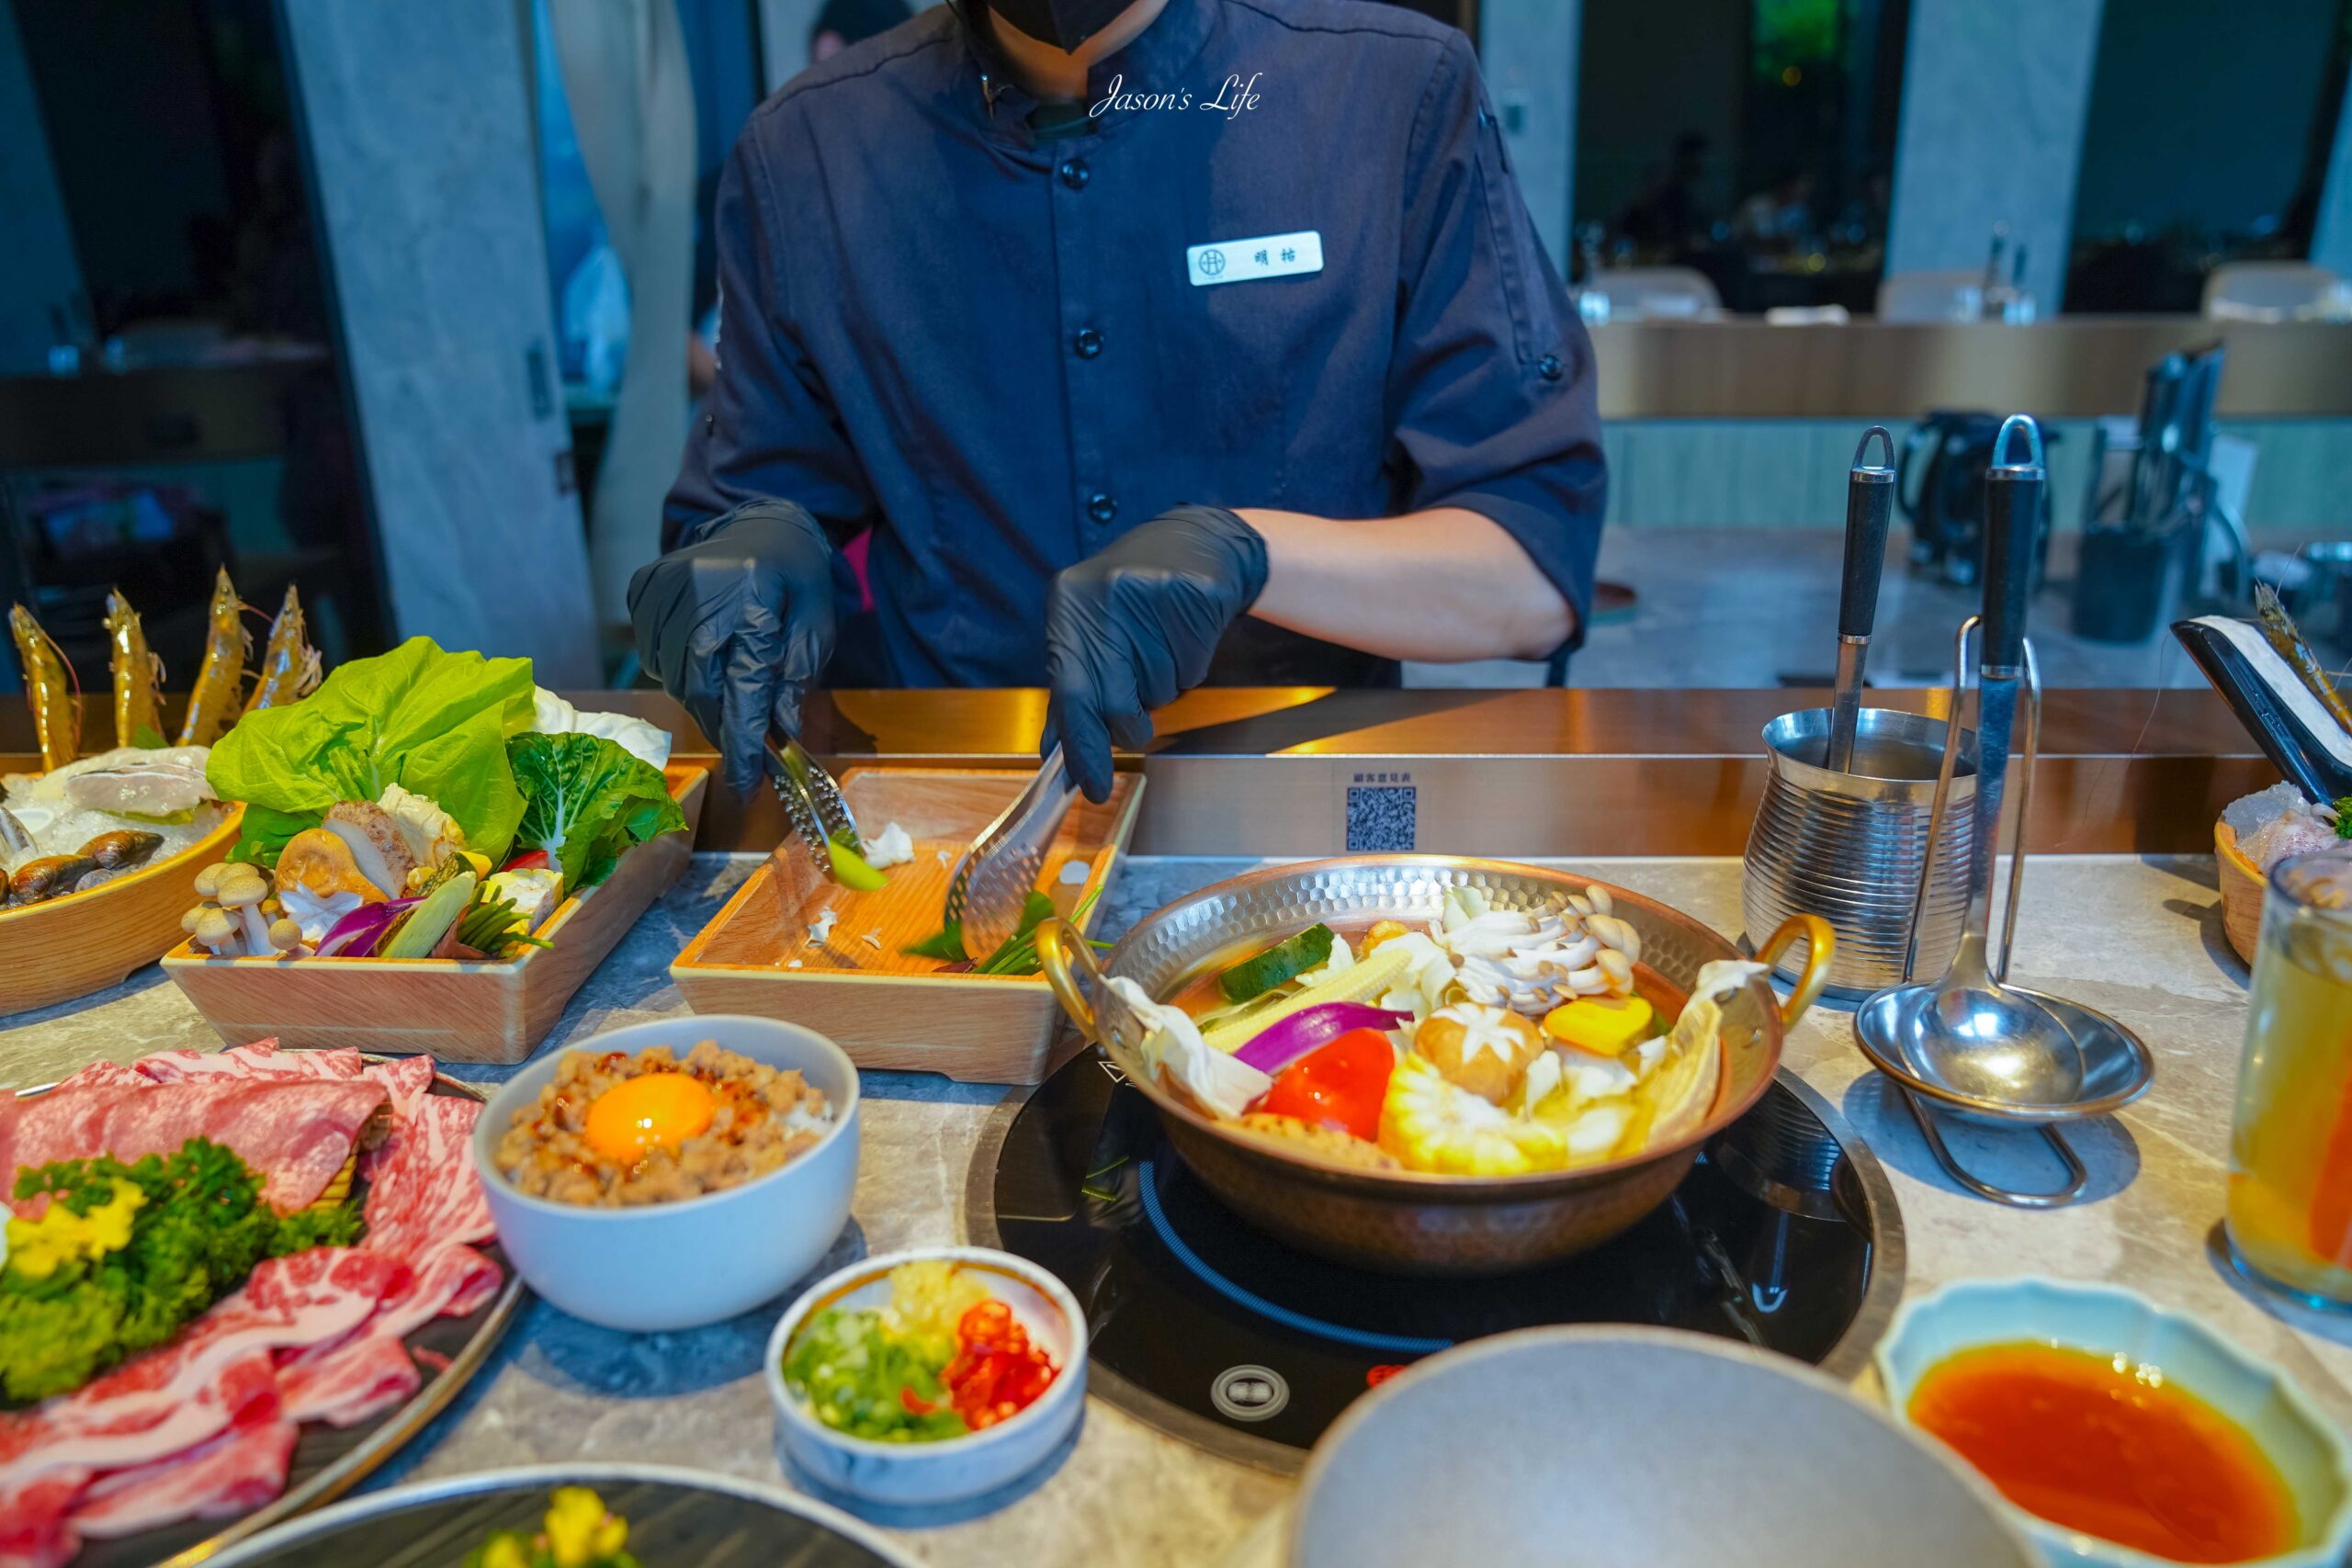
1157	342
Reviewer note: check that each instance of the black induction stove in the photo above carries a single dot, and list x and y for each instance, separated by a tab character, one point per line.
1784	1235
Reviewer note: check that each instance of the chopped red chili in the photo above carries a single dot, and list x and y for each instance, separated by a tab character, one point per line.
997	1373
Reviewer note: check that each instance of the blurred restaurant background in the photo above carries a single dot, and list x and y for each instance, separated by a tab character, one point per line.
410	304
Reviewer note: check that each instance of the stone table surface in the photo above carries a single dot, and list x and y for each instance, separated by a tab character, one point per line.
2138	939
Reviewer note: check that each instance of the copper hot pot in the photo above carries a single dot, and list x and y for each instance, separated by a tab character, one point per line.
1412	1222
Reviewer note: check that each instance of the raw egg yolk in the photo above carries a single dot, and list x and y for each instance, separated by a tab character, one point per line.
653	1111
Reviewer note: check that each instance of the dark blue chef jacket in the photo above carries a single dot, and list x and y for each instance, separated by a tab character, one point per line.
942	320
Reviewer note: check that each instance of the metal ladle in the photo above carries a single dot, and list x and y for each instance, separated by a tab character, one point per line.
1970	1039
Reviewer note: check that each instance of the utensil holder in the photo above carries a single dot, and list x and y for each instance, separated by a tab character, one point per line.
1853	847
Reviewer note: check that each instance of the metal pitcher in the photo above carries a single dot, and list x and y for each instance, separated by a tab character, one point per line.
1850	846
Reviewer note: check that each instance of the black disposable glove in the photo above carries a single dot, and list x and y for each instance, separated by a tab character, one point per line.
737	625
1129	629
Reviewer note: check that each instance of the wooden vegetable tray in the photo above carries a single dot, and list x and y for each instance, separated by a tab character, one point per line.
70	946
460	1012
885	1009
2242	889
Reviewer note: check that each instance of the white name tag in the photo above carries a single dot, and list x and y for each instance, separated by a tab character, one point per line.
1246	261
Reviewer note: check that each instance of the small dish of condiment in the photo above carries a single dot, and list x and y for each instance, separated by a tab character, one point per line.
929	1376
2121	1433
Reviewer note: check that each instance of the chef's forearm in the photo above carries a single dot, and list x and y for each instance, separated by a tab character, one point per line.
1443	585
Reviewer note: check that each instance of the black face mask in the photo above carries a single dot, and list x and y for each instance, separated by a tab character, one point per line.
1064	24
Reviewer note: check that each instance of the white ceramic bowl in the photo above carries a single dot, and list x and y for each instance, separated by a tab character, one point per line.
2311	1455
667	1266
952	1469
1593	1445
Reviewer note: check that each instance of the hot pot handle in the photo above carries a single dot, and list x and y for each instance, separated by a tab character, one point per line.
1065	956
1822	949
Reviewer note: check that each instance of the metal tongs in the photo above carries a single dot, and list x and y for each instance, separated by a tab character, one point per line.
992	883
813	803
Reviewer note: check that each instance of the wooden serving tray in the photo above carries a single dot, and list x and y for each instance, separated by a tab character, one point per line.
459	1011
85	941
885	1009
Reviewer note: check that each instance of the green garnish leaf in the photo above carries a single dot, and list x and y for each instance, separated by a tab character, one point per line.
947	945
261	833
1019	954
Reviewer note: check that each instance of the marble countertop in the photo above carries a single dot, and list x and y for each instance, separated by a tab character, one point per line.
2138	938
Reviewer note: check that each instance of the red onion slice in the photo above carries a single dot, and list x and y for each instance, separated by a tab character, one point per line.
1277	1046
356	935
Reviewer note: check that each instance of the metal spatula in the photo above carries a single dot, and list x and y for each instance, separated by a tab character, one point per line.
993	880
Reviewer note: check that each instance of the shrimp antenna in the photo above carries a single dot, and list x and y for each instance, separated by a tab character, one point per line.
72	674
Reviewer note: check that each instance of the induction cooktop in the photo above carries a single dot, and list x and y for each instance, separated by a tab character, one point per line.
1784	1235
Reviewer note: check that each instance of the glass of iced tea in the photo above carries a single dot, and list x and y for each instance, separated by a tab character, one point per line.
2289	1214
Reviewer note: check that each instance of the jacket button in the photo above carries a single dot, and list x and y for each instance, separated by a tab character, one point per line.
1102	508
1075	173
1088	343
1550	367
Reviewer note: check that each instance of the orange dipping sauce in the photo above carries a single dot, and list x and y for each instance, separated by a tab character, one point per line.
2097	1444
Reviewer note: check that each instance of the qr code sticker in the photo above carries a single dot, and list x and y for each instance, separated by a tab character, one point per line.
1380	819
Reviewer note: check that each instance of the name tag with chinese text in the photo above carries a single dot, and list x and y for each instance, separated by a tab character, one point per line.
1246	261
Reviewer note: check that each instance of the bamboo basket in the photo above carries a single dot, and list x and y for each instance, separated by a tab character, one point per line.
885	1009
459	1011
70	946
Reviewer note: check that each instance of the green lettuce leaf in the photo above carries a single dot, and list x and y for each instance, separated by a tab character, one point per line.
585	801
432	722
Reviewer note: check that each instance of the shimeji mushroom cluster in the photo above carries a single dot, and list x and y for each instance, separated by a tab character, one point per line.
240	916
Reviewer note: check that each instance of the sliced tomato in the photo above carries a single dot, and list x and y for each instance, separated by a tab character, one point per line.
1340	1085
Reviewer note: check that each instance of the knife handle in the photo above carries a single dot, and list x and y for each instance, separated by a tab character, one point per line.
2012	516
1870	505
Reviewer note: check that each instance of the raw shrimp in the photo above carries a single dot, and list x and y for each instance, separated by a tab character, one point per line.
2279	628
289	665
57	717
213	702
136	673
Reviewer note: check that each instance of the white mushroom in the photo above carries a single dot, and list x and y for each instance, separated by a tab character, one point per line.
1614	933
216	929
242	888
284	935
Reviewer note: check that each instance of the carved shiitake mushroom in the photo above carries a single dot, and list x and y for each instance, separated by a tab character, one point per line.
1483	1049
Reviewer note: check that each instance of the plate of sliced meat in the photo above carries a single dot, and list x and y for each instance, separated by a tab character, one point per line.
235	1281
